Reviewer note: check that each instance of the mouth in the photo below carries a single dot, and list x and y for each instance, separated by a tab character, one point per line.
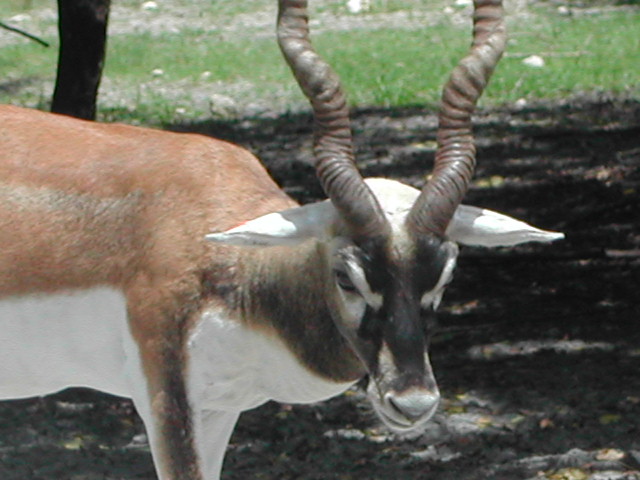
393	418
396	422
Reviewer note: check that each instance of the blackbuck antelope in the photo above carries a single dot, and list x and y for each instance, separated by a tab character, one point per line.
171	269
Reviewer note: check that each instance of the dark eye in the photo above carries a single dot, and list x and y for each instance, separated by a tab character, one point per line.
344	281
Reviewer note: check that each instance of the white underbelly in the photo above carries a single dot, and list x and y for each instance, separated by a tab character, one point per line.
50	342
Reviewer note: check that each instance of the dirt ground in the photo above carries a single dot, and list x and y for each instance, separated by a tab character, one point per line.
538	350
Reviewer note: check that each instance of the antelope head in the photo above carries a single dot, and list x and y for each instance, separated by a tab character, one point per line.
391	248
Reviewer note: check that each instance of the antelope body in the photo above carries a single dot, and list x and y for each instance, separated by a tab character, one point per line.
107	279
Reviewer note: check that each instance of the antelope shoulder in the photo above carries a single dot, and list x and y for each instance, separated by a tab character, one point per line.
233	366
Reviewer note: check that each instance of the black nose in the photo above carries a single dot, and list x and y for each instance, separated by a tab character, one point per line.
414	404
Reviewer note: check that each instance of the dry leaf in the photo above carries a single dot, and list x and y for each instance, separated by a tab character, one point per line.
610	454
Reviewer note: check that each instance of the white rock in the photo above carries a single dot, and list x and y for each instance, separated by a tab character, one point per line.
358	6
157	72
149	6
140	439
534	61
346	433
521	103
222	105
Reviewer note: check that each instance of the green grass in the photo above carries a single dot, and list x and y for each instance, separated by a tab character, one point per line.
14	7
188	56
589	54
592	53
384	67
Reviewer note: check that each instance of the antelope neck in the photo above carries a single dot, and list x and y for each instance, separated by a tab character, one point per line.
292	294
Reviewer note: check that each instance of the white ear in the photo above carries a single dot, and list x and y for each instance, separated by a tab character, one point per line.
486	228
282	228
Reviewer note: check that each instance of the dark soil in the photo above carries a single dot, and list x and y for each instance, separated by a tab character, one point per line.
538	351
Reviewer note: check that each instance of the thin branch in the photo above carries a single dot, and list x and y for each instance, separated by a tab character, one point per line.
24	34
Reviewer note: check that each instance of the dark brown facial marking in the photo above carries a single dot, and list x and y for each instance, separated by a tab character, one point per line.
401	280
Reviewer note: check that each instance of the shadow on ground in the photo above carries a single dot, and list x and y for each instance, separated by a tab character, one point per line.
538	352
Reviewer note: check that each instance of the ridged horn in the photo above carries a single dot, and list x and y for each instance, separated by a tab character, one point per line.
333	147
455	155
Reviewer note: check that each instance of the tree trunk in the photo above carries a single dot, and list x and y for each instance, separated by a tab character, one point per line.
83	35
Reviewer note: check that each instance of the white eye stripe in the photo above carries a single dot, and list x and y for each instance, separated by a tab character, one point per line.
375	301
359	279
355	307
434	296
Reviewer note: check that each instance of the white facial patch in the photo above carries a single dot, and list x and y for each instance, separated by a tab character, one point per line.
434	296
359	279
356	298
355	307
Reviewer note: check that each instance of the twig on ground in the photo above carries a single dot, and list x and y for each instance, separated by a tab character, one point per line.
24	34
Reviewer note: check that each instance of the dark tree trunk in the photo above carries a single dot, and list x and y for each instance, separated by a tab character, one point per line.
83	35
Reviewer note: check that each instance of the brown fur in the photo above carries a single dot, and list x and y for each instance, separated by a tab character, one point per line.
91	203
85	204
300	308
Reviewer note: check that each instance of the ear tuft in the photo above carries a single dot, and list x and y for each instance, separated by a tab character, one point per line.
486	228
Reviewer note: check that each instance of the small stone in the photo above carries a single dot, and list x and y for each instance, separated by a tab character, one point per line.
139	439
149	6
222	105
357	6
610	454
534	61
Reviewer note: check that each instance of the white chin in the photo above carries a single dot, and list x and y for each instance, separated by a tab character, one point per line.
395	420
